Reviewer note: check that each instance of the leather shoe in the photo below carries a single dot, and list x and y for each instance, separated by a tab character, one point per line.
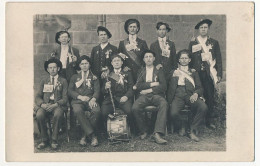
194	137
182	132
94	141
43	145
144	135
83	142
54	145
211	126
158	139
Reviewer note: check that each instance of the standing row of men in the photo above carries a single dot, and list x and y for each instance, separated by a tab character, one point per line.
152	76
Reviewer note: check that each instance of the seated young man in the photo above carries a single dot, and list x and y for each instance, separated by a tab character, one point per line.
121	84
185	88
84	90
152	86
51	98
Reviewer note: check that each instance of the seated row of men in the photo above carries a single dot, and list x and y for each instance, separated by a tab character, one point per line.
150	88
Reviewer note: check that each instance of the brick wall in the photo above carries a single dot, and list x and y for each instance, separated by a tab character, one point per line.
84	36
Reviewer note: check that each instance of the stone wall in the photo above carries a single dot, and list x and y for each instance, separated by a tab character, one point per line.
83	32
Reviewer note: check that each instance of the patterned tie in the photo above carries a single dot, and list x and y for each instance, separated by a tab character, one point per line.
52	82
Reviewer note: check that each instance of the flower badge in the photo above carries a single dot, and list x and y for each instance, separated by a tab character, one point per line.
166	50
210	46
108	53
121	79
94	77
58	85
132	46
123	56
155	78
97	52
88	83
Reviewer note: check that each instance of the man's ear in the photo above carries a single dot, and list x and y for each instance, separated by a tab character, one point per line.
58	68
69	40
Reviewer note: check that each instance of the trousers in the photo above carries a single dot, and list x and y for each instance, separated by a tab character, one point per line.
41	117
198	108
154	100
88	122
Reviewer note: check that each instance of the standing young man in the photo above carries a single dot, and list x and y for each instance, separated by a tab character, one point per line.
164	50
133	47
206	60
67	54
51	98
152	86
185	88
101	54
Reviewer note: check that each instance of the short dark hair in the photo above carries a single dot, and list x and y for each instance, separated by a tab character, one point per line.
58	34
184	51
84	57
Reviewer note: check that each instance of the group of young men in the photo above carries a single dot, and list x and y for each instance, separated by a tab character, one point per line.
137	77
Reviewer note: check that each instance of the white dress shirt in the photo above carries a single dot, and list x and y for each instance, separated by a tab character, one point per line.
149	74
132	38
64	55
162	42
117	71
103	45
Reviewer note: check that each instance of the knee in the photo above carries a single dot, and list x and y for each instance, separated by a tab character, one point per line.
135	107
203	108
163	104
40	115
58	113
77	109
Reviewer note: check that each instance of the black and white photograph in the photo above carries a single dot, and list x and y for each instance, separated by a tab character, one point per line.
125	83
128	84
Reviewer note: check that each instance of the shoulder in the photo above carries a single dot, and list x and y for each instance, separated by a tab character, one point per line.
153	44
112	47
212	40
95	47
140	40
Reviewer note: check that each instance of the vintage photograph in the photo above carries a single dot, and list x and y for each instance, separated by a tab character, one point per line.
129	83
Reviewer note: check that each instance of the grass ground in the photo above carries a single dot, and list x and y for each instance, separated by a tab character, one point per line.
211	140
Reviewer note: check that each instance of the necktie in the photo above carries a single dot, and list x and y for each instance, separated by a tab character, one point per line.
52	82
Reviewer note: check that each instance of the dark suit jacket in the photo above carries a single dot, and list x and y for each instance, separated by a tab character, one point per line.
119	90
216	54
158	75
100	59
74	92
141	44
188	86
72	68
60	93
168	63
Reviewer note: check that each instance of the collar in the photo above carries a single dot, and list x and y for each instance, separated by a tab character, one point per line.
117	70
202	40
63	47
132	37
160	39
184	68
148	68
103	45
55	77
86	74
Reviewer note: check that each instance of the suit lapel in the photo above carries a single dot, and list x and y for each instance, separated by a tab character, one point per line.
59	51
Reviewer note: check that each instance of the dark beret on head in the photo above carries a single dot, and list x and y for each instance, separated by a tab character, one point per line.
101	28
203	21
57	36
131	21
